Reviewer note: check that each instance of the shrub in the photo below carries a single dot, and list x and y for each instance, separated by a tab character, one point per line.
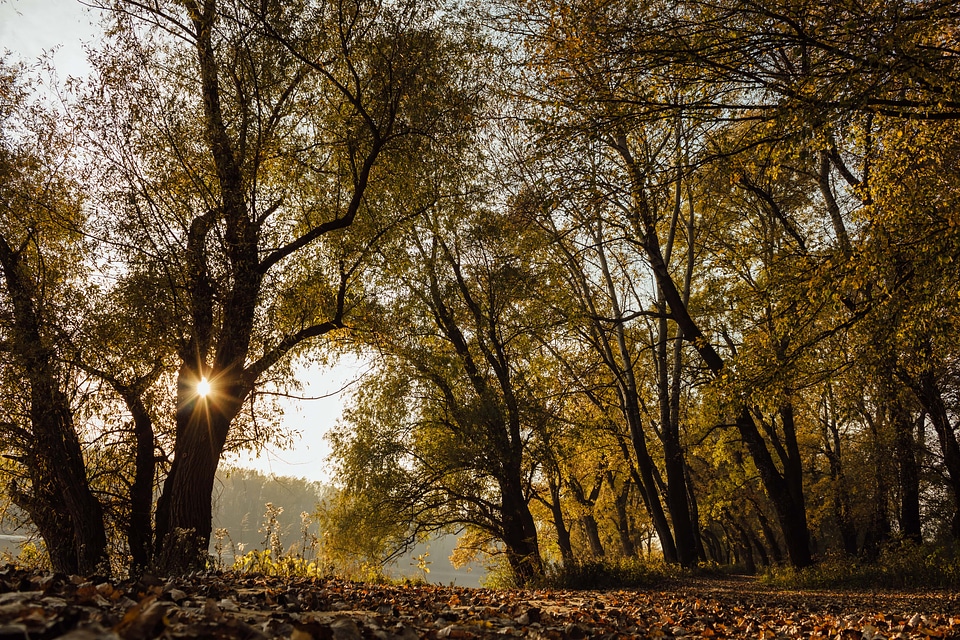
621	573
899	566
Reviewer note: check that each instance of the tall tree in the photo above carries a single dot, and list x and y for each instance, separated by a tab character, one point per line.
244	143
41	250
460	333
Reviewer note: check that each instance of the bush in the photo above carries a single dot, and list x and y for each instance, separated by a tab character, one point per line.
899	566
625	573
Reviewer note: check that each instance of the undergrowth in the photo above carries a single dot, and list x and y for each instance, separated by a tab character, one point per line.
896	567
622	573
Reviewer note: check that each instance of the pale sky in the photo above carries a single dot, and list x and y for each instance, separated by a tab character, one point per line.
28	29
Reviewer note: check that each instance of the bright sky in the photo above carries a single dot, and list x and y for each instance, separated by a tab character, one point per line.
28	29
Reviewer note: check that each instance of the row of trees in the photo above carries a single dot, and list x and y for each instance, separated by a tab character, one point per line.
707	294
669	274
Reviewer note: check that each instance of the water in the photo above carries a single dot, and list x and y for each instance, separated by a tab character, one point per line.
11	544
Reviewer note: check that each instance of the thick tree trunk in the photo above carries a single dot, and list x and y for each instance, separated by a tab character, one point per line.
592	530
184	510
140	527
520	533
48	512
677	502
908	472
59	497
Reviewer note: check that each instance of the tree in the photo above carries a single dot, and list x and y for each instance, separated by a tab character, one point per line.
241	147
41	246
458	347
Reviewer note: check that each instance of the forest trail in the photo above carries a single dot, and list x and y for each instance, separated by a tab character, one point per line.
38	605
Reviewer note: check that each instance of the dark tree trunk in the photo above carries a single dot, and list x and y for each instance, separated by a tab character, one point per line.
841	496
184	511
65	510
695	515
587	519
627	547
677	502
592	531
745	550
646	481
714	547
520	533
140	527
559	523
928	391
791	513
770	536
908	472
673	462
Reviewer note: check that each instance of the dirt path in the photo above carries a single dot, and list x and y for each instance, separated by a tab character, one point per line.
223	606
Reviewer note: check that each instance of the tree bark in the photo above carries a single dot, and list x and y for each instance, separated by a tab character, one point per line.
184	511
928	392
520	533
60	499
627	547
908	471
559	523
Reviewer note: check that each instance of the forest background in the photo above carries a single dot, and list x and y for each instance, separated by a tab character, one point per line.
670	279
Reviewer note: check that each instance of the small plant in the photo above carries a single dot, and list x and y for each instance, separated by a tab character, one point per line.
272	559
33	556
423	565
271	530
220	534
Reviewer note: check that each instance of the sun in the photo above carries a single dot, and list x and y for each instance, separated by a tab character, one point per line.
203	387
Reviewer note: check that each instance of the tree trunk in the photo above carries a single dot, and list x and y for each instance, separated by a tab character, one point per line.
592	531
677	502
520	533
840	496
184	511
627	547
587	519
770	536
559	523
908	473
930	396
59	497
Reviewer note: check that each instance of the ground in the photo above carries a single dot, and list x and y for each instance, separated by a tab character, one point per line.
39	605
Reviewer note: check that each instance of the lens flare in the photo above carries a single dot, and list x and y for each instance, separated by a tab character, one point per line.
203	387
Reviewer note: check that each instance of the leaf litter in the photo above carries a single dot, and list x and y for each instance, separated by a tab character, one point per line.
36	605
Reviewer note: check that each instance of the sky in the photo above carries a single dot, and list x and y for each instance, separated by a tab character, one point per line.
31	28
28	28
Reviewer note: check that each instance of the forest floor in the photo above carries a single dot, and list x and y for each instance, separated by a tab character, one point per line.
38	605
